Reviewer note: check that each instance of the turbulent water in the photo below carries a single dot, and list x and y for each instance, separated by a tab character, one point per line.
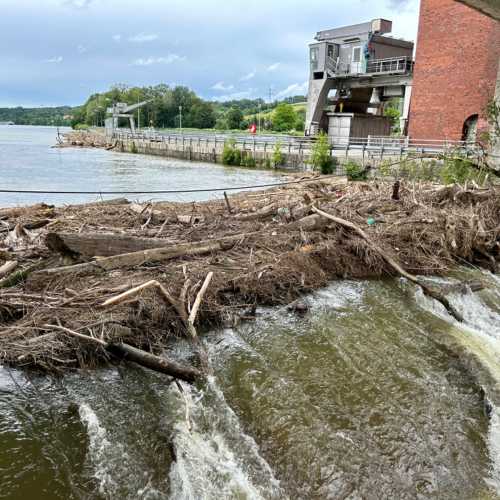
28	162
373	394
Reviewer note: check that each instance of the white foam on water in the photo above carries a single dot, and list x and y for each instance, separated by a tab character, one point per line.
494	449
99	450
480	335
114	470
215	459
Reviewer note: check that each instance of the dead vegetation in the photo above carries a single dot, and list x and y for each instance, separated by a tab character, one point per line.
79	284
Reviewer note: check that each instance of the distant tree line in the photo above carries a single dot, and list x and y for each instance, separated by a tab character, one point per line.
164	111
37	116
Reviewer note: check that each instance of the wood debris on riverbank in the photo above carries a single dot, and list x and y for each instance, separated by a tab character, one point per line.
79	283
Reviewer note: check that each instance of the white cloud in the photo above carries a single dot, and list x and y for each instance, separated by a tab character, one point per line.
54	60
78	4
235	96
248	76
117	37
293	89
143	37
81	49
400	4
222	87
171	58
274	66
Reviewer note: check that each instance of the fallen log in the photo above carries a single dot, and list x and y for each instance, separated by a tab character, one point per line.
309	223
99	244
143	358
148	256
435	294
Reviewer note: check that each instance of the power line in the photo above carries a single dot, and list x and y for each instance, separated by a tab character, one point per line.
168	191
182	191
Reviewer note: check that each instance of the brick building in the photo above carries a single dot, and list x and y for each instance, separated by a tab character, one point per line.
457	63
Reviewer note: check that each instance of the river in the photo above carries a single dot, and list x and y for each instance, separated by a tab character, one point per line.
28	162
376	393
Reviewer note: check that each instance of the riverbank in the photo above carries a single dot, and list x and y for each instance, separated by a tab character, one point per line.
122	273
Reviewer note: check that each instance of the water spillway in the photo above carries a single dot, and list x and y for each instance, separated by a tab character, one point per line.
368	394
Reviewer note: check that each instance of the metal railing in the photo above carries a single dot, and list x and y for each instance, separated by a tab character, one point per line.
390	65
375	145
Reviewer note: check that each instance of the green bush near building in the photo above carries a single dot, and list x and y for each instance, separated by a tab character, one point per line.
321	158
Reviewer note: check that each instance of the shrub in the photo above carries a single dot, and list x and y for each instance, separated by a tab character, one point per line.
321	159
248	161
231	155
458	169
355	171
81	126
278	158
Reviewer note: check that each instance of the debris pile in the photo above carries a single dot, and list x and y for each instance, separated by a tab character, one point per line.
84	284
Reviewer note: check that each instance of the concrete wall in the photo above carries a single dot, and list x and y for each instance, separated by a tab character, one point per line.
488	7
457	62
211	151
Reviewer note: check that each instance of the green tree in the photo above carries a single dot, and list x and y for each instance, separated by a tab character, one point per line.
284	118
234	117
201	115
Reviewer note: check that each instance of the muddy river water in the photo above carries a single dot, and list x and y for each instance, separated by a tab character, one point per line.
370	395
376	393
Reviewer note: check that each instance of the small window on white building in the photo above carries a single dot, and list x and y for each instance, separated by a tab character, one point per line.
356	54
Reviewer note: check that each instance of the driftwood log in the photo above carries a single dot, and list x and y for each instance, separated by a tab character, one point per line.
143	358
7	268
431	292
99	244
147	256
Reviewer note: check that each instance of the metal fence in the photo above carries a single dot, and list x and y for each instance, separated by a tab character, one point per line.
354	146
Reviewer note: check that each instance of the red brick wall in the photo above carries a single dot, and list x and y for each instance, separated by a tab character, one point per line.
458	52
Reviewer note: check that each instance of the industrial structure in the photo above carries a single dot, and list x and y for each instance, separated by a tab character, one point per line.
456	69
121	110
353	70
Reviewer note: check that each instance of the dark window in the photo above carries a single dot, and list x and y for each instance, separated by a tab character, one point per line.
469	130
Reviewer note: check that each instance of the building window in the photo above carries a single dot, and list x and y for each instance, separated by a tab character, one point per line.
356	54
314	58
469	130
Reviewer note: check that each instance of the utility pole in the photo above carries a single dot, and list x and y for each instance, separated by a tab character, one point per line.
270	94
180	118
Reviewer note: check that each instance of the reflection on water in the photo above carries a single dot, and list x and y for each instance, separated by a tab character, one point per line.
362	398
27	161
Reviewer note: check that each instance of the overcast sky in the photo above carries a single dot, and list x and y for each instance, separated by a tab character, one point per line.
55	52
